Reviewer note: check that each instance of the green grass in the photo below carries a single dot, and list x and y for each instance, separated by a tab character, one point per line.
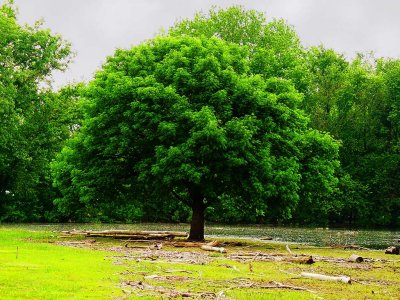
42	269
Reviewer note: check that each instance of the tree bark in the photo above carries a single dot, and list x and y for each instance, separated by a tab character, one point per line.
197	224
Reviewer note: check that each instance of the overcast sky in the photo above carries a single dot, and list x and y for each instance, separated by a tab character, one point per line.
97	27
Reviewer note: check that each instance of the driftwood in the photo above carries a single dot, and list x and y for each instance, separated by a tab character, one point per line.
288	250
127	234
307	260
299	259
215	249
194	244
356	258
392	250
344	279
211	246
187	244
213	243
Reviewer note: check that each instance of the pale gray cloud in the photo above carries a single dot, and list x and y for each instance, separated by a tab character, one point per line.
97	27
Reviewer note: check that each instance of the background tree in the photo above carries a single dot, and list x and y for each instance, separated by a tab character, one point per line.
353	101
30	132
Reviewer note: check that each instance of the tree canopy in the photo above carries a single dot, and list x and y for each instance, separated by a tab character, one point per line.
275	49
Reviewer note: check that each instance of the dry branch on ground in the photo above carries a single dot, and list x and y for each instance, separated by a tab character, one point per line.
344	279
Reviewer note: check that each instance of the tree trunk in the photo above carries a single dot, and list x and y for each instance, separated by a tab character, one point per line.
197	224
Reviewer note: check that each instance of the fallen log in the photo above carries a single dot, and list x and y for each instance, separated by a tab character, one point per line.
187	244
125	234
392	250
344	279
288	250
356	258
215	249
307	260
138	233
136	237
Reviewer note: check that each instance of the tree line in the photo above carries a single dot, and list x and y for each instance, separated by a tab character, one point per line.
224	117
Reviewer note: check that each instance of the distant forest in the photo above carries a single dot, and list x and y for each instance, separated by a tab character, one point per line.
225	117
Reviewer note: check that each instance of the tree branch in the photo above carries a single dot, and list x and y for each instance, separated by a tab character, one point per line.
180	198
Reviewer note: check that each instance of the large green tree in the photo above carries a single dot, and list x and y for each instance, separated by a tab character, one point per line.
275	50
29	116
184	119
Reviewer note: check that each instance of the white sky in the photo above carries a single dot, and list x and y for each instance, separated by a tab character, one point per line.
97	27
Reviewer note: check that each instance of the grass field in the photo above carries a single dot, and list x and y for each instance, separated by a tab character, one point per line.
33	267
39	265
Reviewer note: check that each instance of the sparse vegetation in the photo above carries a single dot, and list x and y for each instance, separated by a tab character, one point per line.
48	267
